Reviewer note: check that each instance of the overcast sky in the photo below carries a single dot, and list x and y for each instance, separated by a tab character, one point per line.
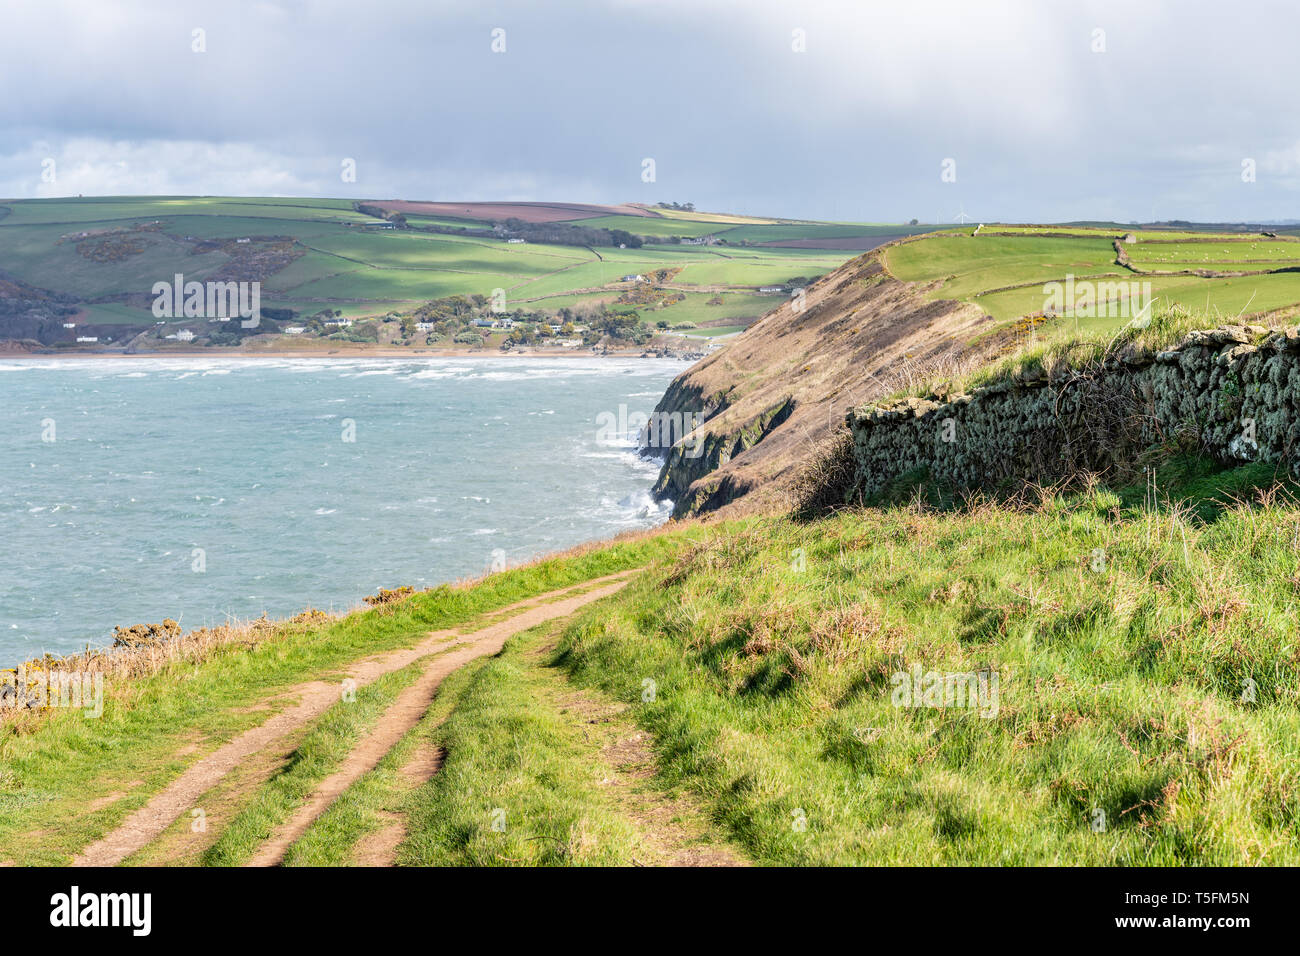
1050	111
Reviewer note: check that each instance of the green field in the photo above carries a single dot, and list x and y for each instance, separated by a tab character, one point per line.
1255	254
1007	275
340	262
108	209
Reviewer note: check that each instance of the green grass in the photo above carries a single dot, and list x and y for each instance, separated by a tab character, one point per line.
788	232
448	222
1260	253
48	776
1005	275
747	270
327	742
1070	344
107	208
116	313
333	838
773	648
520	785
970	265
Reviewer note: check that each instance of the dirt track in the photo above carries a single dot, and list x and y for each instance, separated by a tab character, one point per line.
406	712
314	698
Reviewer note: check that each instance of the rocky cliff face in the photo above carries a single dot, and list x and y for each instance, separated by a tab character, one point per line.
1233	391
782	388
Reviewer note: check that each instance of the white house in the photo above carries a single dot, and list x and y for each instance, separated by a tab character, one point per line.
87	338
184	335
69	325
424	326
295	330
771	288
630	277
515	241
341	323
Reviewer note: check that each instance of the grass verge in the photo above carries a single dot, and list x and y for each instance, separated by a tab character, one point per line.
1147	709
520	785
56	770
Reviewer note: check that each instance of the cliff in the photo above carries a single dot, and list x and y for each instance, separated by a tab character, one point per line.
782	388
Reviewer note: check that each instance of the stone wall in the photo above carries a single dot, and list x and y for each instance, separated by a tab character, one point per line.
1233	391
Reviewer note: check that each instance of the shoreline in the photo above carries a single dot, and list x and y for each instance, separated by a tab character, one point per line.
383	353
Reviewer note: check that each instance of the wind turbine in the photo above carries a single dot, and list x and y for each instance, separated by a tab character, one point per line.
961	216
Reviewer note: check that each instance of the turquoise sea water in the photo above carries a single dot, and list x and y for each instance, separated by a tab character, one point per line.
204	489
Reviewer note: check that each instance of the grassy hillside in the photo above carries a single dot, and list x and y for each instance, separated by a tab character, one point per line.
100	257
1146	710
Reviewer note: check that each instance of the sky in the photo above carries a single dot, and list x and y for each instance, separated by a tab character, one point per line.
1036	111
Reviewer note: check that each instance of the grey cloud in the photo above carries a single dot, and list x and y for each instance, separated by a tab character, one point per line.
1041	127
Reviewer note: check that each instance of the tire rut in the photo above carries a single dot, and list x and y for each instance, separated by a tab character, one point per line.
313	699
405	713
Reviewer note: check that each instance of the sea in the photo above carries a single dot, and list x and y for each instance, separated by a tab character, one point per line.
215	489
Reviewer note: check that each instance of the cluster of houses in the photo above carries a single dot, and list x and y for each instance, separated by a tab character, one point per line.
700	240
328	323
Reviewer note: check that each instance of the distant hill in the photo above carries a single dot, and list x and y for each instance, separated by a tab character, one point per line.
704	275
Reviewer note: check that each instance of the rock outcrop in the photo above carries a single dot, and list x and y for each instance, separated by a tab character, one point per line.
780	389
